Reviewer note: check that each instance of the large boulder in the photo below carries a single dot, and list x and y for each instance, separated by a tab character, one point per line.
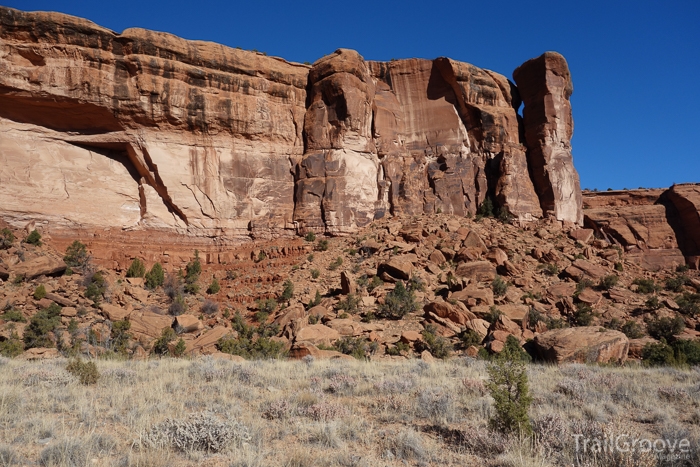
447	311
480	271
590	344
206	343
303	349
397	267
317	334
39	266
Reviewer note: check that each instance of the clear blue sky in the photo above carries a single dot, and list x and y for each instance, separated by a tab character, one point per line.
635	64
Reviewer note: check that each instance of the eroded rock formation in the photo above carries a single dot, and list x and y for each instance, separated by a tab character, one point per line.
144	131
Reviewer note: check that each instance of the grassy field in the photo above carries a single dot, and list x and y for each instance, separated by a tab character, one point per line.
177	412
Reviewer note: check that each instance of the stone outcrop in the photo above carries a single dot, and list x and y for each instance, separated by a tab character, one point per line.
590	344
143	131
545	86
659	229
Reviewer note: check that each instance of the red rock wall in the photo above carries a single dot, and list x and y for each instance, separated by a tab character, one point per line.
146	132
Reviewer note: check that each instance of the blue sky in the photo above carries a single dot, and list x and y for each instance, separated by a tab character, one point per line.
635	64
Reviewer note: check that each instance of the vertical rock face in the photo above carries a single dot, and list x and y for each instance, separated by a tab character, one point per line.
144	131
545	86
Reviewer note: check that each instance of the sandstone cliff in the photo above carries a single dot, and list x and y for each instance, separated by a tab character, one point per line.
144	131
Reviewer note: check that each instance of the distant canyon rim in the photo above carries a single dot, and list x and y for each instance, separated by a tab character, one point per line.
143	143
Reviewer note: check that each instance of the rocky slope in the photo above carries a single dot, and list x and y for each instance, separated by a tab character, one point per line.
112	135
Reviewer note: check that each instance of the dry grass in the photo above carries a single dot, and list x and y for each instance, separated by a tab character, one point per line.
319	413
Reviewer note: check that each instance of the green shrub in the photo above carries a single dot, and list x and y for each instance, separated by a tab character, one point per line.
619	267
583	316
310	237
499	287
551	269
14	315
632	330
686	352
357	347
214	287
85	371
679	352
96	288
287	291
266	306
39	292
493	315
608	282
416	284
677	282
504	215
137	269
310	258
658	354
11	347
252	342
178	306
508	387
36	334
682	268
160	346
646	285
485	209
6	239
34	238
374	283
398	303
350	304
179	349
438	346
652	303
192	272
322	245
315	273
76	255
121	335
261	256
335	264
665	328
155	277
689	304
469	337
315	302
582	285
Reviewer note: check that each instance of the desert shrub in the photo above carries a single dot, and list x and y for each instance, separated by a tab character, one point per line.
192	271
499	287
619	267
137	269
121	335
652	303
36	334
12	346
155	277
322	245
354	346
350	304
173	286
96	287
214	287
407	445
686	351
266	306
583	316
508	386
485	209
374	283
335	264
438	346
66	453
677	282
665	328
14	315
398	349
398	303
86	372
645	285
160	346
679	352
436	404
39	292
315	273
6	239
278	409
178	306
504	215
198	432
551	269
416	284
310	237
287	291
8	456
689	304
632	330
34	238
608	282
209	307
582	285
493	314
179	349
315	301
76	255
252	348
470	337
